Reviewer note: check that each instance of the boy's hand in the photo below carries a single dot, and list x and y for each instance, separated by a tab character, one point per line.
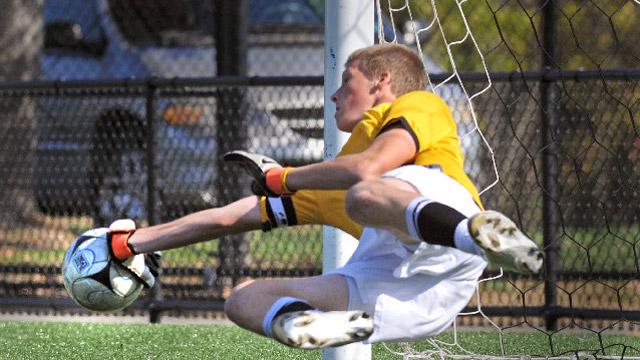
144	266
269	176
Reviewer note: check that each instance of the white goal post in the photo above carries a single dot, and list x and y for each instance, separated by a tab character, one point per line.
349	26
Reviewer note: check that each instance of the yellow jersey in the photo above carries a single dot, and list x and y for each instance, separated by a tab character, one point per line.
428	120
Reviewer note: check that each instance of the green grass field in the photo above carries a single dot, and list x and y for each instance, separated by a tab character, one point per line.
36	340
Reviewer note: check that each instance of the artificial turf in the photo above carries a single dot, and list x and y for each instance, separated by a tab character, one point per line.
85	341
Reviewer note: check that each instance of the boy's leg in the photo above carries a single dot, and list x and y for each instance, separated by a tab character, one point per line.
389	197
399	206
305	312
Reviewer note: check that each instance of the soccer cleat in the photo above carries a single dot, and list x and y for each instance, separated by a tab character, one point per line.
314	329
504	244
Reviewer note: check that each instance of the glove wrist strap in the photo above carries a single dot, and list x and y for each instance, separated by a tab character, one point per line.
120	245
276	180
285	189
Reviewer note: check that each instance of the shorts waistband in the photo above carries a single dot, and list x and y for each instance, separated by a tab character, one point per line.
434	167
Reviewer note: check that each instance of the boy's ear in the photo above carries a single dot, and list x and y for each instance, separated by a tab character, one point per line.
382	82
384	77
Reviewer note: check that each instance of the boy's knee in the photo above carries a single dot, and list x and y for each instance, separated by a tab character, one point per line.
359	200
234	303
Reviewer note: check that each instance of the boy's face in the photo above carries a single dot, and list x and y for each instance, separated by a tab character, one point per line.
355	96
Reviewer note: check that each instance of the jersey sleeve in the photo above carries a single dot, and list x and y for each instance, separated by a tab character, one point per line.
326	207
402	123
424	115
308	207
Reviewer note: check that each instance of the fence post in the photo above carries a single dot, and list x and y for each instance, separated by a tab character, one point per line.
550	168
230	32
156	291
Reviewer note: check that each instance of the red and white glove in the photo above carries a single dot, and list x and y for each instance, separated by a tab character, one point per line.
143	266
270	178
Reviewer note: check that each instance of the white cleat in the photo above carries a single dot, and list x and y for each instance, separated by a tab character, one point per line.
314	329
504	244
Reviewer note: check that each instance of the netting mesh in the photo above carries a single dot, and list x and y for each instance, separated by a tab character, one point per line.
554	138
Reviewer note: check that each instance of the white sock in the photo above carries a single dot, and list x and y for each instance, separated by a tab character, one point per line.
273	310
411	216
463	240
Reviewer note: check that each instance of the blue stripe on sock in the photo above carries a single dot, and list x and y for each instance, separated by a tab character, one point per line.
273	310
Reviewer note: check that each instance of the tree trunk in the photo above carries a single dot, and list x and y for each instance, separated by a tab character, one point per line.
21	38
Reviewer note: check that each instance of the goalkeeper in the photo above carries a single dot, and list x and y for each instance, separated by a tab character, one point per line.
392	123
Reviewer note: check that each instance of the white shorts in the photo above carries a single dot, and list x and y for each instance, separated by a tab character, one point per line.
422	299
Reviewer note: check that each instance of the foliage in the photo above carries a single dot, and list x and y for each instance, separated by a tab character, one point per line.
510	34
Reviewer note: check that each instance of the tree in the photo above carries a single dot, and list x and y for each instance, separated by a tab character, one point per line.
590	35
21	38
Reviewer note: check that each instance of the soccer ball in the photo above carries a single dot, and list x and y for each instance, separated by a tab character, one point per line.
93	279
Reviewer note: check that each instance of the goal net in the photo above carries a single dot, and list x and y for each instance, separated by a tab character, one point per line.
546	97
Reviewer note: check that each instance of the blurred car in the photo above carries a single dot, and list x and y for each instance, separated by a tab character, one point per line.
91	149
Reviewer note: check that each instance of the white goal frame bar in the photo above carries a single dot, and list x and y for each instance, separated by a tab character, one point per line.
349	25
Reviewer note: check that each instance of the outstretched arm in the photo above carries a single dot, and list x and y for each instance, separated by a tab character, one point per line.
389	150
237	217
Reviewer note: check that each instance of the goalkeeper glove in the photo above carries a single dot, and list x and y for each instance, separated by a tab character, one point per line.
144	266
270	178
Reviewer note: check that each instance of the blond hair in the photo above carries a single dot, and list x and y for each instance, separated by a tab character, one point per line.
405	66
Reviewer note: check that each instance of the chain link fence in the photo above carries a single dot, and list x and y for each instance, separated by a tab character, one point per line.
150	151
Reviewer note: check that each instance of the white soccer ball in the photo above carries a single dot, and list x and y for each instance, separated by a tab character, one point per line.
93	278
